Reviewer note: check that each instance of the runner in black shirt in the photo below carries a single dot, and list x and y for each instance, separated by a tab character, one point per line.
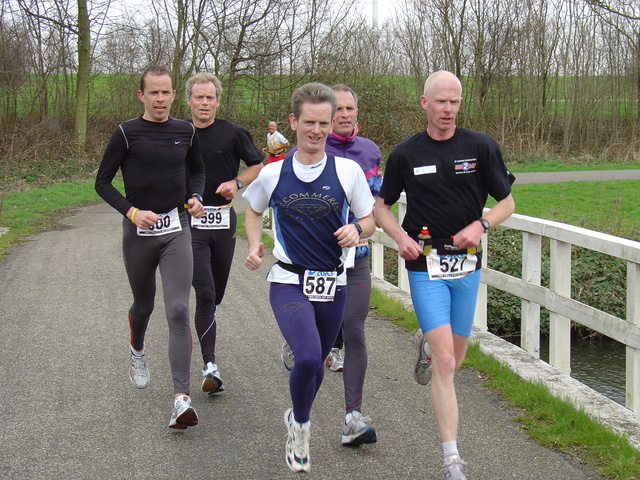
223	145
447	173
155	152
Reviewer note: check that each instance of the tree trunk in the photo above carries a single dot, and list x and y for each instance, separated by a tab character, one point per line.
84	66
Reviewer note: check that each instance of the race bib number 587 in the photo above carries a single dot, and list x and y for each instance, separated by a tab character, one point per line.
320	286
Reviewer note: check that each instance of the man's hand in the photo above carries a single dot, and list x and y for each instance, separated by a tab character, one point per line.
469	236
228	189
143	219
347	236
196	209
254	259
408	248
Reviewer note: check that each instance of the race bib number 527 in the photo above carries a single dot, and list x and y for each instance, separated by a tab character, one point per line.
450	266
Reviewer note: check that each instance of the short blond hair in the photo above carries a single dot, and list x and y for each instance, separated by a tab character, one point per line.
203	78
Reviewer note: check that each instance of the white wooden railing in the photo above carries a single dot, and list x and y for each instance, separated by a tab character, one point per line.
557	297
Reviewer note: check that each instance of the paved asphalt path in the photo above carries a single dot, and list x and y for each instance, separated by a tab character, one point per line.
69	410
579	176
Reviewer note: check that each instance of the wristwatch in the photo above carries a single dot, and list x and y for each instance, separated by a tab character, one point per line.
358	228
485	224
239	183
199	197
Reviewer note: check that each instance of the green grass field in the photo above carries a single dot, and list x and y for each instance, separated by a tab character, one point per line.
606	206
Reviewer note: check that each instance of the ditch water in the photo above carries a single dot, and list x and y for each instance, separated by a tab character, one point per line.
599	364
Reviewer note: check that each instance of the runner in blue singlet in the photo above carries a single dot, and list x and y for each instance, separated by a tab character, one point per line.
311	195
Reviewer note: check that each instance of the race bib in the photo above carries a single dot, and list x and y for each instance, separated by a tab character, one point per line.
167	223
214	218
320	286
450	266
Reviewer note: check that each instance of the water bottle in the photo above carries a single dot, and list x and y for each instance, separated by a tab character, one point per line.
425	241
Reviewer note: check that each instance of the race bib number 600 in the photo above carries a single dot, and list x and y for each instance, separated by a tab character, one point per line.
167	223
320	286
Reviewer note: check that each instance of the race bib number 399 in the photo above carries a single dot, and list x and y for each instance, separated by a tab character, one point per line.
167	223
320	286
450	266
214	218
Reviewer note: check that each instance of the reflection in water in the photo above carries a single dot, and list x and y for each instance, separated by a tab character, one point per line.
600	365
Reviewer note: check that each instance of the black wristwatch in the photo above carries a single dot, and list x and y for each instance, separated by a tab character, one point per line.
199	197
358	228
239	183
485	224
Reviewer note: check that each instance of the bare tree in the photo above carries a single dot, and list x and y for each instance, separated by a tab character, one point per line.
182	20
538	74
84	68
62	18
245	36
13	66
628	10
491	35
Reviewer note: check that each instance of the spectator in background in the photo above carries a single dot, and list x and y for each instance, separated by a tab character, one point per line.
276	143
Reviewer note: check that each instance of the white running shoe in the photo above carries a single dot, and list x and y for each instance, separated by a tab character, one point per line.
422	367
334	360
357	431
297	449
183	415
138	371
286	354
211	380
453	468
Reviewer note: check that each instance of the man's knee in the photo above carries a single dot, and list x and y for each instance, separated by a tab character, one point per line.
178	312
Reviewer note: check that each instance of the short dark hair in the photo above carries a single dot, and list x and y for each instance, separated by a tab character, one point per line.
156	70
315	93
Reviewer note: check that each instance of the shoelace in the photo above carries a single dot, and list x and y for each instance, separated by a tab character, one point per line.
286	352
358	422
299	448
454	461
138	364
179	404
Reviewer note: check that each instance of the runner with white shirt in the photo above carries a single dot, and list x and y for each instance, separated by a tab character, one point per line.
344	141
311	196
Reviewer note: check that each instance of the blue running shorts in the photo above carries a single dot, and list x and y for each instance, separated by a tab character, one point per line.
445	301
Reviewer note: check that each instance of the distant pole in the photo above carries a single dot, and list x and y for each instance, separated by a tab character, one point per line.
374	17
